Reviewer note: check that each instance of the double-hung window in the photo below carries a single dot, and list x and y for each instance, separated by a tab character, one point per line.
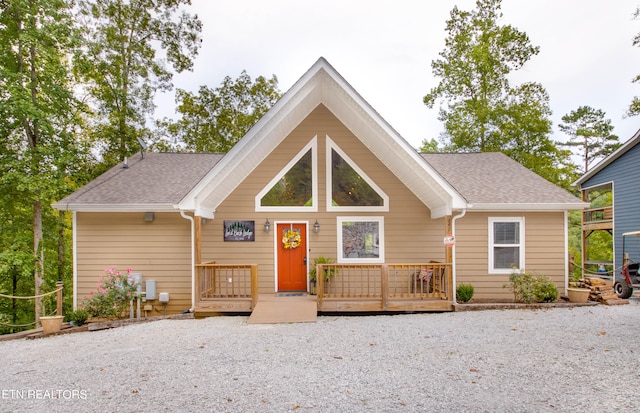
506	244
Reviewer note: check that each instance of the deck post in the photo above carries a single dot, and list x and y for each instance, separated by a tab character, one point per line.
384	272
197	242
254	286
319	284
448	252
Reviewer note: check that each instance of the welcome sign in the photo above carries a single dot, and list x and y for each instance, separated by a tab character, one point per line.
239	230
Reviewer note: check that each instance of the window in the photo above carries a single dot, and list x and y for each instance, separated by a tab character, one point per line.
348	187
360	239
295	187
506	244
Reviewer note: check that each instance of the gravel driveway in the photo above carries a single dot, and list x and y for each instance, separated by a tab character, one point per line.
582	359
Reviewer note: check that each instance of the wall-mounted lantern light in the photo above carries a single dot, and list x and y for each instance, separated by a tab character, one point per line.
316	227
267	225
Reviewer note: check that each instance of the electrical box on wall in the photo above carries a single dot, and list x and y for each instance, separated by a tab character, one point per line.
151	289
137	279
164	297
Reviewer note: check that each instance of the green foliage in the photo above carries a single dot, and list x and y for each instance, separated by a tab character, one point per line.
113	295
429	146
590	133
78	317
328	272
530	287
121	66
41	158
215	119
483	113
464	292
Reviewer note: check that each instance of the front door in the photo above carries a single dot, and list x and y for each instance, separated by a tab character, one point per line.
291	239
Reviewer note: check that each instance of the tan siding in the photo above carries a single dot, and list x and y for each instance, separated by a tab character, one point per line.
160	250
544	251
410	234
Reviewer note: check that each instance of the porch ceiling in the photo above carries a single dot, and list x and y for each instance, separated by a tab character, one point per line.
323	85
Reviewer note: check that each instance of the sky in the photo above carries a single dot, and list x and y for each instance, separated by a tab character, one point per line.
384	49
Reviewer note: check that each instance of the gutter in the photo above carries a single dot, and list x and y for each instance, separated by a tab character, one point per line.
193	270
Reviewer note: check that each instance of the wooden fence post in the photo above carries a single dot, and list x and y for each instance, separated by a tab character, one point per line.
59	285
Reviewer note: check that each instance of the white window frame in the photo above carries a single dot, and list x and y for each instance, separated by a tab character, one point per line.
331	145
345	260
313	146
492	245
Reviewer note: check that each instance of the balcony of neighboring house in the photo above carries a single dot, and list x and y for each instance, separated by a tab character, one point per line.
600	218
597	229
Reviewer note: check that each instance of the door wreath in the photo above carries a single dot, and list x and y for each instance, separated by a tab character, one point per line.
291	239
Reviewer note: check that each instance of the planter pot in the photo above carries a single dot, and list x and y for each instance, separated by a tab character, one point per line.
578	295
51	324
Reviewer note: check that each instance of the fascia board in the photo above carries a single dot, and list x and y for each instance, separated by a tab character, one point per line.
115	207
529	207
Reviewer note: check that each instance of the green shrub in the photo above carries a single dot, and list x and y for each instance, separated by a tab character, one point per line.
78	317
464	292
531	287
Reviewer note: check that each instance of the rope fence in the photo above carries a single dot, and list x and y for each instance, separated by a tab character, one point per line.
31	297
58	310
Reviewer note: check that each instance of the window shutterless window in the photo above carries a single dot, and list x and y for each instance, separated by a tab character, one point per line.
506	244
360	239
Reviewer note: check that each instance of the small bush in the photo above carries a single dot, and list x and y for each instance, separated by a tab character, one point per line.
78	317
464	292
530	287
111	299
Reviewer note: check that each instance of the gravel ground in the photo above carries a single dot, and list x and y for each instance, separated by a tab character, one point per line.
581	359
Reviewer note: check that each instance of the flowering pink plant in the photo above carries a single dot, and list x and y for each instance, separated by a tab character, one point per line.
112	296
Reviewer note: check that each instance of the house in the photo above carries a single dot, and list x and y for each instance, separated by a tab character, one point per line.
616	180
322	174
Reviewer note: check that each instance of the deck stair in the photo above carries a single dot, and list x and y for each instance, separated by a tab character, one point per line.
284	308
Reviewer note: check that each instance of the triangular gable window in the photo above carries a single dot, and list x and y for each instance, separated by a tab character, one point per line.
348	187
295	187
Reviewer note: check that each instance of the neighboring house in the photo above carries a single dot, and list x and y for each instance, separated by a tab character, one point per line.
324	171
617	174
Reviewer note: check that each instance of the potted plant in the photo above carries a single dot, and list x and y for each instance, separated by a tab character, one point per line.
328	272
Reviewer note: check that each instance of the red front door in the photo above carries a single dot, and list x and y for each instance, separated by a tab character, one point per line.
292	257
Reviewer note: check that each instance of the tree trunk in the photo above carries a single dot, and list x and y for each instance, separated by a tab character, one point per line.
38	254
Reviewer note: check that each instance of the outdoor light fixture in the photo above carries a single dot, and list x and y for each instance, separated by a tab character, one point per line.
316	227
267	225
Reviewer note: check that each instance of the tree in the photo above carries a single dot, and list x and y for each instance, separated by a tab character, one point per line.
122	66
590	133
215	119
429	145
39	111
483	112
634	107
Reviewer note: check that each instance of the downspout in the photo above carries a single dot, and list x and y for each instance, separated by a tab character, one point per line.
193	264
453	253
74	249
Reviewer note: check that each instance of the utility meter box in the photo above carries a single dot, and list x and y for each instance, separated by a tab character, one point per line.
151	289
163	297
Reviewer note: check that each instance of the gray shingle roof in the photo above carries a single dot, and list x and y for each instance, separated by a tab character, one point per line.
159	178
494	178
165	178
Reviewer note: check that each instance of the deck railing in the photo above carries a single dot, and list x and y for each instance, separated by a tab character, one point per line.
224	281
385	281
602	214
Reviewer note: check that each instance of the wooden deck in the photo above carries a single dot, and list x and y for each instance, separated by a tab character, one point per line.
222	288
